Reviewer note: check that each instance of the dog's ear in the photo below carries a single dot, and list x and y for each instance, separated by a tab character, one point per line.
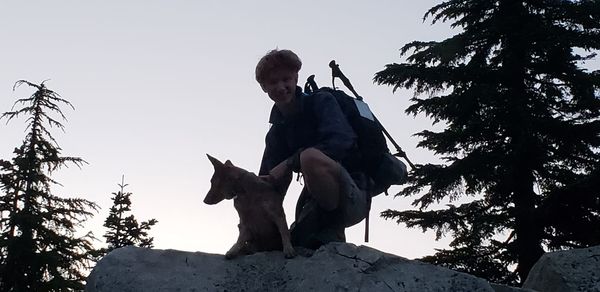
215	162
228	163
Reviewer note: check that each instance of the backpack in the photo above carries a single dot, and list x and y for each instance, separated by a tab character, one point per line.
383	167
378	163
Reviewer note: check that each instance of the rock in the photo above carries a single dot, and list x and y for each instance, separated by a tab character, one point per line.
569	270
334	267
504	288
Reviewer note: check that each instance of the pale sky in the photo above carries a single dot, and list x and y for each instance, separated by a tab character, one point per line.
158	84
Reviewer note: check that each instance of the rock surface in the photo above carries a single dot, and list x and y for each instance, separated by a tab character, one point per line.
504	288
334	267
564	271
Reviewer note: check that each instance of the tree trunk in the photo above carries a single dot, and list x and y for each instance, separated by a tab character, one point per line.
523	147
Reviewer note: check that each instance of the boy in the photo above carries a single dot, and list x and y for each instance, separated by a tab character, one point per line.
310	135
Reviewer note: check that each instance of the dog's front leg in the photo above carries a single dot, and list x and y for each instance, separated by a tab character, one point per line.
278	216
240	245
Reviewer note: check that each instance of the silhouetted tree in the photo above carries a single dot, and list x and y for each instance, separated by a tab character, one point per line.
39	247
521	135
5	208
123	229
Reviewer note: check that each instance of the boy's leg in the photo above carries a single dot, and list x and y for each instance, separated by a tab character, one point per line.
330	201
314	226
322	178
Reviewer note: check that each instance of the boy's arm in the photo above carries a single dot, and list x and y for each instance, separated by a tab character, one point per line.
273	154
335	134
273	167
280	176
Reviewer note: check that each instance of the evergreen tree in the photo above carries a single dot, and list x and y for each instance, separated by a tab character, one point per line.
39	248
5	208
521	132
123	229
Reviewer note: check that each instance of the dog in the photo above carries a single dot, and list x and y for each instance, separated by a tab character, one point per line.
262	220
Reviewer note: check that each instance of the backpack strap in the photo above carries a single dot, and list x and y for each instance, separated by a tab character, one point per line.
310	86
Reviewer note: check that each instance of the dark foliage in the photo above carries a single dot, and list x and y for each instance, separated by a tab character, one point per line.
521	137
123	229
39	247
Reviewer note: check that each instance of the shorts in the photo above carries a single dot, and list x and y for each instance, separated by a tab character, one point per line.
353	206
354	203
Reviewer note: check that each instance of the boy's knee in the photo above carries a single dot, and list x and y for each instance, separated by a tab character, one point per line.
312	158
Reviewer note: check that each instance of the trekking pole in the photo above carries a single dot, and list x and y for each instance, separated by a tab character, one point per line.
337	72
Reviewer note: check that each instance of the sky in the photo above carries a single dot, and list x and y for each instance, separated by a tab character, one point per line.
157	85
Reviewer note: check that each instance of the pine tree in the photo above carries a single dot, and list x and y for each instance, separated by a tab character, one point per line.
39	248
6	181
521	132
123	229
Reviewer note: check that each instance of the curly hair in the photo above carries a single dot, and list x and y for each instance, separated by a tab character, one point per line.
277	59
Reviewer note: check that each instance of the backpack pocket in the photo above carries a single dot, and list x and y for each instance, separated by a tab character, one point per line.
389	171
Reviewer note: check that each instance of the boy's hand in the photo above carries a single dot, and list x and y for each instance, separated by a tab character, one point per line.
280	177
280	172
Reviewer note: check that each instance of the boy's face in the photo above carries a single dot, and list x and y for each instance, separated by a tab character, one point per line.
280	85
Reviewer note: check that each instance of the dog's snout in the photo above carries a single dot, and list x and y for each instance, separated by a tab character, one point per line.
212	198
208	201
